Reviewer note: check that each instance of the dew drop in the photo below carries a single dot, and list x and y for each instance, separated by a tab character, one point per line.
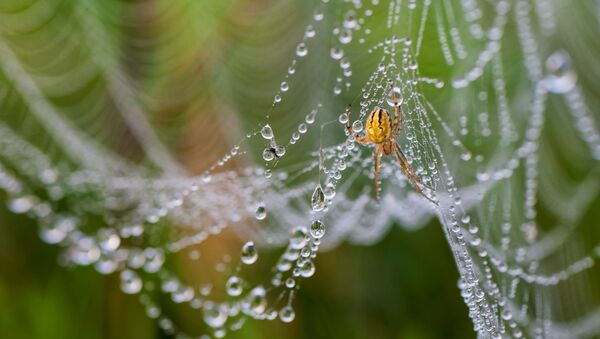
307	269
213	315
337	90
302	128
268	154
357	126
329	190
301	50
395	92
345	63
343	118
234	286
466	156
287	314
310	32
317	229
279	151
336	53
318	16
298	239
284	86
130	282
261	213
267	132
345	36
249	254
317	201
256	303
290	282
561	78
310	117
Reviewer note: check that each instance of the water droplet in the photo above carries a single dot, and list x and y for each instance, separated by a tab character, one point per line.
317	229
249	253
279	151
345	63
345	36
302	128
155	258
267	132
310	32
398	94
337	90
317	201
277	98
298	239
329	190
336	53
318	16
350	20
21	205
130	282
307	269
109	240
284	86
561	78
268	154
234	286
305	252
256	303
357	126
290	282
301	50
466	156
287	314
261	213
213	315
310	117
343	119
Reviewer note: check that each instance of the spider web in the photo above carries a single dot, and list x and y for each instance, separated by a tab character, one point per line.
83	150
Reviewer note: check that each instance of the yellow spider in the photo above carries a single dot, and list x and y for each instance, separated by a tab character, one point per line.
382	132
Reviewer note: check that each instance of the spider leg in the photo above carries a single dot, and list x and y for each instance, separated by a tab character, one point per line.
404	162
360	139
412	177
378	153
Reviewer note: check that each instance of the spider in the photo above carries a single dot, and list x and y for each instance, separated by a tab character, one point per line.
382	132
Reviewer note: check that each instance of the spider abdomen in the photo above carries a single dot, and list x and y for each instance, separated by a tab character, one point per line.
379	126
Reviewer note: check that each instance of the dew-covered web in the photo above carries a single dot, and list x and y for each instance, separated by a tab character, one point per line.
484	86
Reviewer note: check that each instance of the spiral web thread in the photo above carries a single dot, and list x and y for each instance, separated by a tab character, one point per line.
481	151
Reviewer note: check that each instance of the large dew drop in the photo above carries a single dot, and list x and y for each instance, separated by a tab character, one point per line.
398	94
267	132
317	201
249	253
317	229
